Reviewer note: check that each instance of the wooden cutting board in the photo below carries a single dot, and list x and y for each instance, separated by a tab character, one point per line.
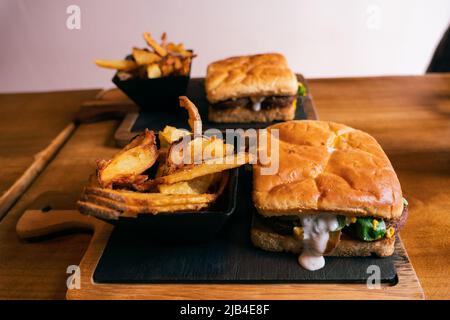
58	219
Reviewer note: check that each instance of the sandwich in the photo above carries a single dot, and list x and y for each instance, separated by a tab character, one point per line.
256	88
335	194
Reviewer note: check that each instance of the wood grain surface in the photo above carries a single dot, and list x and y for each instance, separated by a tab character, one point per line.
35	223
41	159
408	115
407	287
28	123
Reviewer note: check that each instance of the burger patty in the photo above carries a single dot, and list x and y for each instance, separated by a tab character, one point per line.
268	103
400	222
284	224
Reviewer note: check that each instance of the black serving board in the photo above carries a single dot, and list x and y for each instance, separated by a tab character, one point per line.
134	257
157	120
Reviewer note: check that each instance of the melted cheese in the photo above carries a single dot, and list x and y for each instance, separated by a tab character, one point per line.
316	232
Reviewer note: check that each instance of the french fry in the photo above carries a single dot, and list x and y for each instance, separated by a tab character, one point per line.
139	155
166	69
123	65
171	134
110	204
186	65
172	47
97	210
109	209
143	207
144	57
163	40
177	64
195	186
196	207
189	187
179	48
195	151
153	199
171	59
195	121
153	44
193	171
153	71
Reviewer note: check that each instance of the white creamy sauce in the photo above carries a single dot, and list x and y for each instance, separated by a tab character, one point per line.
331	150
316	229
257	103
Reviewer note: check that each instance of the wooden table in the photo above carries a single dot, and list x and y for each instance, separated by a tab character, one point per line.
409	116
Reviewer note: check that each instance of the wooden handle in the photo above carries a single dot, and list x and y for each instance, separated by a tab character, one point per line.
108	104
98	110
36	223
41	160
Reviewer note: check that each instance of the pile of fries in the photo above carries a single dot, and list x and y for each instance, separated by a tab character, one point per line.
165	59
187	177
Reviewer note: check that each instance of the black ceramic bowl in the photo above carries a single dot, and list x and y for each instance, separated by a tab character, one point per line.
154	94
187	226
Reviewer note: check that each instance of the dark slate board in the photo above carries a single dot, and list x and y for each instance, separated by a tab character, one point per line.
133	257
177	117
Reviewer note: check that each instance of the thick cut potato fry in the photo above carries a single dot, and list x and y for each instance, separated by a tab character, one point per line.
153	71
186	67
179	48
164	40
139	155
171	134
166	69
193	171
101	212
171	59
135	209
195	121
197	207
109	209
153	44
112	204
183	187
174	47
123	65
195	151
144	57
177	65
153	199
195	186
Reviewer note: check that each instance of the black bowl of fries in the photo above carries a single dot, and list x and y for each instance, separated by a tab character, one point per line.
153	77
175	185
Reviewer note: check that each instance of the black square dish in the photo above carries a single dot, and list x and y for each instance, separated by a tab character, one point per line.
154	94
187	226
133	257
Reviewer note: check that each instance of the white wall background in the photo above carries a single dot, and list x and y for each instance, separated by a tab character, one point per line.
319	38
